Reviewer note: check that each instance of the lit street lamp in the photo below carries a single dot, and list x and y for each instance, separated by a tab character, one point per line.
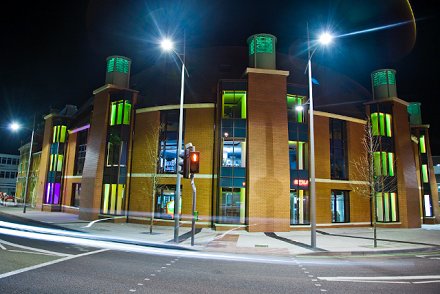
324	39
15	127
167	45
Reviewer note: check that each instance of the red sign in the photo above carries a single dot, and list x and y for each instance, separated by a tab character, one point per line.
301	183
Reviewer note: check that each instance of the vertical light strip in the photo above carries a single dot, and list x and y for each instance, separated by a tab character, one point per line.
388	125
113	114
379	207
422	144
427	205
382	124
393	207
375	124
242	205
127	112
376	163
121	191
113	198
106	196
425	173
391	164
384	164
120	106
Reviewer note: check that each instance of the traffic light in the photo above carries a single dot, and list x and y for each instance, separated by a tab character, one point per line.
194	162
182	163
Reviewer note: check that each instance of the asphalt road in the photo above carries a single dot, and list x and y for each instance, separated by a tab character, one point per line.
30	266
42	263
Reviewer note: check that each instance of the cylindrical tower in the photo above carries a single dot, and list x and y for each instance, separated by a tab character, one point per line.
118	71
262	51
383	82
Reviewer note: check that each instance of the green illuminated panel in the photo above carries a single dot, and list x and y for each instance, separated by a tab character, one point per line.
60	162
127	113
121	65
388	125
386	206
54	135
119	113
111	65
393	207
63	130
375	124
379	207
391	164
376	163
425	173
384	164
51	162
235	102
422	144
252	47
379	78
113	114
382	124
292	102
264	44
391	78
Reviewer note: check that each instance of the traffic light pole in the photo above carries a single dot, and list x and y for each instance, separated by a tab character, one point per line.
194	199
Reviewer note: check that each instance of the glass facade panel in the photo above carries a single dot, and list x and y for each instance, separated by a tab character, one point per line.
338	149
294	113
232	206
422	144
381	124
340	206
168	138
120	112
299	207
234	104
165	197
427	206
425	177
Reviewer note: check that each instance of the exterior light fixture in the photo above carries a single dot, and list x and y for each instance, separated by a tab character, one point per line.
167	44
325	38
14	126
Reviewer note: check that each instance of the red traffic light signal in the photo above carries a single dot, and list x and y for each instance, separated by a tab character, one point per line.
194	161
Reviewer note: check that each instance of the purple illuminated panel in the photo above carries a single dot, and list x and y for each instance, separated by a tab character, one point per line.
53	193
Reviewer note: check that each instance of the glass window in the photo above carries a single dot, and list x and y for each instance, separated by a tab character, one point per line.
338	149
234	104
165	197
59	134
81	147
299	207
232	205
116	153
340	206
384	163
76	194
422	144
168	141
234	153
53	193
294	113
297	155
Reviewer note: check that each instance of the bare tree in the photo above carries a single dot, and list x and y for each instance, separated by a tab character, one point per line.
153	158
370	175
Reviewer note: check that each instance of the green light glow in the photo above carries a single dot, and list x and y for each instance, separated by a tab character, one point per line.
252	47
59	134
384	77
382	124
264	44
292	102
422	144
393	207
384	164
376	163
120	110
235	100
118	64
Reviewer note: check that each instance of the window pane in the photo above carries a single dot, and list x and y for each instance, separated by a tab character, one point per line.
232	205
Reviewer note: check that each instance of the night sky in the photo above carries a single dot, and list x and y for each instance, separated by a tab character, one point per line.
53	52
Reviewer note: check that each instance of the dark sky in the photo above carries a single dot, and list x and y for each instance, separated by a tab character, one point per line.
53	52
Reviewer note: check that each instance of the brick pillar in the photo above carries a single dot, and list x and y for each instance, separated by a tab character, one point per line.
268	172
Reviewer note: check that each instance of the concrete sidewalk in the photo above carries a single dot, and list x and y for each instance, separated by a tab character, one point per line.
333	241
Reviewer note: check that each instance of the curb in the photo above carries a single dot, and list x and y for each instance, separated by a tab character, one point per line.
378	252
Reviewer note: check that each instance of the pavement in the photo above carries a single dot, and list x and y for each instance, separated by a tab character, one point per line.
329	241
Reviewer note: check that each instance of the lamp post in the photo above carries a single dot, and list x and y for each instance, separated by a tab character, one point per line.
324	39
15	127
168	45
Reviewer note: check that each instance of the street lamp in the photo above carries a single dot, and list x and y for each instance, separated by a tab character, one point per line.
15	127
168	45
325	39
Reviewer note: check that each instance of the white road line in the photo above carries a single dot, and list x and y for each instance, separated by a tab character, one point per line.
49	263
30	252
2	247
385	278
35	249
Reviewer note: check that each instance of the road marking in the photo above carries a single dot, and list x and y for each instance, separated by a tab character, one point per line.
49	263
385	278
30	252
140	284
35	249
2	247
132	290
